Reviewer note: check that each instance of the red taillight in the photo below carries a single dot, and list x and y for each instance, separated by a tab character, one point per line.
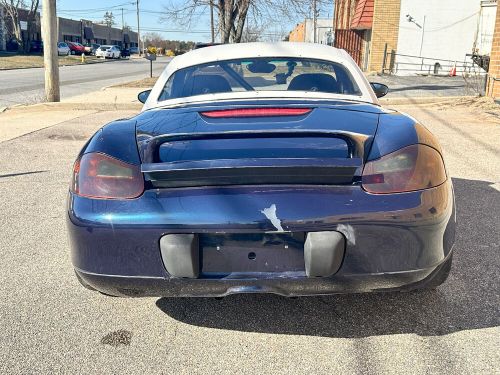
97	175
411	168
256	112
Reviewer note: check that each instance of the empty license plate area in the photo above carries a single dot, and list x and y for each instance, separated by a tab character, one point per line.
248	253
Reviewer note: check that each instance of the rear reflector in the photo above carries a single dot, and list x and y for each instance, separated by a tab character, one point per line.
256	112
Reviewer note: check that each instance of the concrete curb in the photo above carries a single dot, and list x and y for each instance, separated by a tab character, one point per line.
61	106
60	66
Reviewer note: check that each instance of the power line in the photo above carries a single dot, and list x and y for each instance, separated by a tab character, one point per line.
208	31
93	10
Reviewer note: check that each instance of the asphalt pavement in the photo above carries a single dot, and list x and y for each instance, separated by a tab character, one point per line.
430	86
50	324
26	86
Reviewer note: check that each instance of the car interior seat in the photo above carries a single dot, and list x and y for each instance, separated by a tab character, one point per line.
314	82
207	84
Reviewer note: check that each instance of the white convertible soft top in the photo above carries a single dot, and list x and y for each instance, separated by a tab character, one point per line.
249	50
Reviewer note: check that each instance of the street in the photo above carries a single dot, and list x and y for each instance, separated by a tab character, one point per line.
51	324
26	86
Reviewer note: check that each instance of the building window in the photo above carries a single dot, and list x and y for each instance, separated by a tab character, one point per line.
72	38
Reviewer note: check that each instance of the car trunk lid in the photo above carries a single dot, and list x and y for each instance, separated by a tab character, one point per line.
285	144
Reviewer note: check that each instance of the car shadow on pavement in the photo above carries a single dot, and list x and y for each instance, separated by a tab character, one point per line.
428	88
468	300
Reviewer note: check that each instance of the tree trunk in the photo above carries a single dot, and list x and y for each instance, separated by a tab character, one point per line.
243	5
229	10
11	10
31	21
221	7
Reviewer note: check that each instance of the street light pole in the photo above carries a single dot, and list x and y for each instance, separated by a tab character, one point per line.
50	55
138	30
409	18
422	40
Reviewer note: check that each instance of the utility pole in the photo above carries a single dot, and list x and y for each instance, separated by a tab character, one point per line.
138	30
212	20
123	23
50	55
315	20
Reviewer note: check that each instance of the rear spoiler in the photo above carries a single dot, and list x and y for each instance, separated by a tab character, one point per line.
251	171
324	171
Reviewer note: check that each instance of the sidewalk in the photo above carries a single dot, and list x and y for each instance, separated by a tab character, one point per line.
20	120
107	98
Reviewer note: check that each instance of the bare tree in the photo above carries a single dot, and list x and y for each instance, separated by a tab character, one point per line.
109	19
233	14
12	8
251	34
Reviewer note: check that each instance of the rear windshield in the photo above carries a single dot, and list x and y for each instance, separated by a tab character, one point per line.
260	74
105	48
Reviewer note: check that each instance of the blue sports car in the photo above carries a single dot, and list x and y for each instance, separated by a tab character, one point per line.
261	168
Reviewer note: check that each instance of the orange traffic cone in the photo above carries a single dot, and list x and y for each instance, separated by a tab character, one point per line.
453	71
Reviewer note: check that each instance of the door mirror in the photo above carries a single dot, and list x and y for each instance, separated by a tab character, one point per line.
379	89
143	96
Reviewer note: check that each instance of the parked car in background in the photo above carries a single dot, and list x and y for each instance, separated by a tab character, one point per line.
134	50
36	46
76	48
63	49
12	45
91	48
124	52
108	52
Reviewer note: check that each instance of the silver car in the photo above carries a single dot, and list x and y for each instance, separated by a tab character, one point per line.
63	49
108	52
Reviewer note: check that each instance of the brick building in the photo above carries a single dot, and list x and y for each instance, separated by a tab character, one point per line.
364	28
493	82
81	31
298	33
7	28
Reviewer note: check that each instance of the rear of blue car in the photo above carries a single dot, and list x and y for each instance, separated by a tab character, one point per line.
285	197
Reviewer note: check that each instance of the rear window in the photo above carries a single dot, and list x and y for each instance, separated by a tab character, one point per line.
260	74
104	48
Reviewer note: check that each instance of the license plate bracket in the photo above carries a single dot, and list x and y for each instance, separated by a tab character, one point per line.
250	253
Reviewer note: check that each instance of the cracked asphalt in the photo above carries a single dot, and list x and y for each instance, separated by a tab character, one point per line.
50	324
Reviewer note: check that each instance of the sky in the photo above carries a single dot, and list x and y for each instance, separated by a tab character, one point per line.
150	12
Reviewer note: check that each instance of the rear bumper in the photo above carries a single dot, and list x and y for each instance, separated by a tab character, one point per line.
393	242
288	287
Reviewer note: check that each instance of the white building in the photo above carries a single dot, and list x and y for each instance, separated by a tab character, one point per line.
439	33
324	31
